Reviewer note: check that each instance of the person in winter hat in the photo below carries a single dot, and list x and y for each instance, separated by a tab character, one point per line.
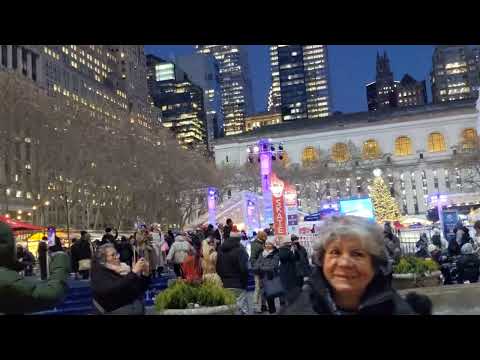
468	265
19	295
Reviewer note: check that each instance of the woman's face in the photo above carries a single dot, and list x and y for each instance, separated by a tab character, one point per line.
347	266
113	257
268	246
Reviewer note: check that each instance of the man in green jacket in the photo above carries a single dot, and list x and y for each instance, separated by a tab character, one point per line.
256	250
19	295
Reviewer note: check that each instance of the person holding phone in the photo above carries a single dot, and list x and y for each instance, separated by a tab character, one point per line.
117	289
20	295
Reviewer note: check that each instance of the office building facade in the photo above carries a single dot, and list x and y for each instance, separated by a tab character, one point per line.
300	81
455	72
107	80
235	85
386	93
181	102
203	71
411	92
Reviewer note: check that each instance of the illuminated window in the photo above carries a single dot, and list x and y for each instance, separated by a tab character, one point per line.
403	146
436	142
469	137
309	155
371	149
340	152
285	159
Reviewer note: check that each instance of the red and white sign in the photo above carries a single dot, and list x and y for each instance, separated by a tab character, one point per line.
279	216
290	196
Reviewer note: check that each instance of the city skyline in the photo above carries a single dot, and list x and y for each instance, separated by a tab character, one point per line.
351	68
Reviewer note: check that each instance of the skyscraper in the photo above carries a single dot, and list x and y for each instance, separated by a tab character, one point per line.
455	72
300	81
381	94
235	85
411	92
203	71
107	80
180	100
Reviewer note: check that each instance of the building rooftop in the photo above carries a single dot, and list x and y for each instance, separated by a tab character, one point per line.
354	120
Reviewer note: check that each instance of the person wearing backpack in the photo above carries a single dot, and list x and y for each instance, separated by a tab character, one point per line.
462	237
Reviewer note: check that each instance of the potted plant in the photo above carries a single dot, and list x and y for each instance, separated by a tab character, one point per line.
195	298
412	272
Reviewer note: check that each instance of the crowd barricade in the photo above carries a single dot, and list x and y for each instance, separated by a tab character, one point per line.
407	242
306	240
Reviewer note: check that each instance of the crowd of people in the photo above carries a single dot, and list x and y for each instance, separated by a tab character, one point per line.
457	256
350	271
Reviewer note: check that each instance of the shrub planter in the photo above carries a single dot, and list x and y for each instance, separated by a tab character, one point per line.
213	310
195	298
410	281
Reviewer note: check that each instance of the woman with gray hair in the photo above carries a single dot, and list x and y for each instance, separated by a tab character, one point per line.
351	274
116	289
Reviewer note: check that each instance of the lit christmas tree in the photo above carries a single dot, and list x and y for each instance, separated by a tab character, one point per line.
385	205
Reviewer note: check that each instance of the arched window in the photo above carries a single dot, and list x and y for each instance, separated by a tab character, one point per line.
340	152
403	146
469	139
309	155
436	142
371	149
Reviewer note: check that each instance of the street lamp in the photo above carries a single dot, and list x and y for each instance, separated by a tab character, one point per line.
377	172
47	203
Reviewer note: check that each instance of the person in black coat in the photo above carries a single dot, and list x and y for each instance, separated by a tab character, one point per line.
468	265
42	258
125	250
108	238
26	259
58	245
267	267
170	238
227	229
82	250
294	267
351	274
232	267
116	290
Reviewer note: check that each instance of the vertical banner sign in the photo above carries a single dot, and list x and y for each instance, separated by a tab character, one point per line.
250	212
279	216
291	208
450	219
265	174
212	215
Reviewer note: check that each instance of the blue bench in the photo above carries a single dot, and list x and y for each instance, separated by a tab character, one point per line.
79	297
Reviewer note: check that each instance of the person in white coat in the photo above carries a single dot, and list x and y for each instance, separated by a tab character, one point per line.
178	252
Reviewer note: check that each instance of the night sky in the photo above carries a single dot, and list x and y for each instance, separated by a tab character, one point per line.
351	68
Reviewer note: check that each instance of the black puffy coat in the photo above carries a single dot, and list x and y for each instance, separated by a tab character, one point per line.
468	267
316	298
232	264
113	291
288	268
80	250
125	250
267	266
